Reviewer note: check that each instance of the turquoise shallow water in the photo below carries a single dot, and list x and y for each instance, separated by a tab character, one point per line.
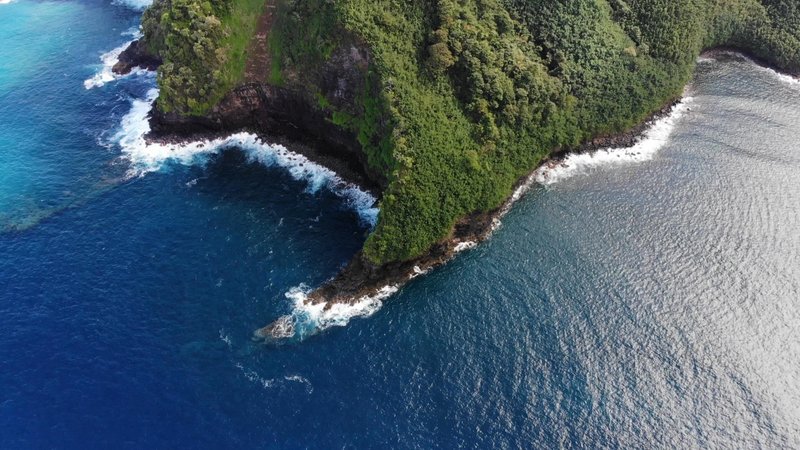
49	119
646	302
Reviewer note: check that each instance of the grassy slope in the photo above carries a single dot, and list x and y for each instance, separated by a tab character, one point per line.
240	24
204	48
466	96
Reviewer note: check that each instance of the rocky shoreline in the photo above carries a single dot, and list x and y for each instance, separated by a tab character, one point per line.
360	280
133	57
288	117
716	52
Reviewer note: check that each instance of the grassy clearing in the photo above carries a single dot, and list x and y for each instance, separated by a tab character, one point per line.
240	24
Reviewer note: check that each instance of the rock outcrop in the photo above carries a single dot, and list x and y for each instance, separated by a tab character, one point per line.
292	116
135	56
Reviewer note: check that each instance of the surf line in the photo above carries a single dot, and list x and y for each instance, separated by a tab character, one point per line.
145	157
105	74
645	149
308	317
712	57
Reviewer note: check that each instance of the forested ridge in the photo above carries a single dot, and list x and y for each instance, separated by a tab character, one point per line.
463	97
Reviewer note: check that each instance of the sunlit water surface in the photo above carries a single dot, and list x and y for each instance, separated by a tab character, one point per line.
639	304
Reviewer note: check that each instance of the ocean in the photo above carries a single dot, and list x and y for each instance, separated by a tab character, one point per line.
632	298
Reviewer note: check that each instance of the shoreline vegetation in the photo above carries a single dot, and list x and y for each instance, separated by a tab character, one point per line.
443	110
356	281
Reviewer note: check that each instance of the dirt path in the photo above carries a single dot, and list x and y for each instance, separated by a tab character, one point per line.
257	68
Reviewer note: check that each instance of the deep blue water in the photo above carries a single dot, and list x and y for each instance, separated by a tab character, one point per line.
644	304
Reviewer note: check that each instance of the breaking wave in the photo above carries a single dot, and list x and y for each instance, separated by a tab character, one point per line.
138	5
307	319
147	157
784	78
579	163
466	245
105	73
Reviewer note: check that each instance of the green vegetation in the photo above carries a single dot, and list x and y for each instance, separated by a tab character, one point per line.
204	47
463	97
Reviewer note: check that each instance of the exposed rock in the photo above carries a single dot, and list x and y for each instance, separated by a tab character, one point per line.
292	115
625	139
280	329
344	76
360	278
136	55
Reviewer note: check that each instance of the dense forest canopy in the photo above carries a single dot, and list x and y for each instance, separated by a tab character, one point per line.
466	96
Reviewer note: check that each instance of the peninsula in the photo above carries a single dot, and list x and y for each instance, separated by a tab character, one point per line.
439	107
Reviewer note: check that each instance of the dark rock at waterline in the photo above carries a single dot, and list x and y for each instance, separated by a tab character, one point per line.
280	116
136	55
360	278
292	116
624	139
295	114
282	328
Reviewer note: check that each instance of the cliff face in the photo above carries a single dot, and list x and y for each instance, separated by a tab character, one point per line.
136	56
441	105
284	113
281	115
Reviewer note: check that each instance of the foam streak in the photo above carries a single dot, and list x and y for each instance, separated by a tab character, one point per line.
579	163
308	318
105	73
138	5
784	78
147	157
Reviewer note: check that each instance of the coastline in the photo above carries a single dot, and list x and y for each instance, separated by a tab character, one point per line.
288	118
307	149
360	285
728	51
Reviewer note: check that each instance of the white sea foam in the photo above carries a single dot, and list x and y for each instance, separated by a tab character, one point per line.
138	5
466	245
253	376
653	140
269	383
5	2
105	73
150	157
309	318
224	337
782	77
302	380
417	272
788	79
